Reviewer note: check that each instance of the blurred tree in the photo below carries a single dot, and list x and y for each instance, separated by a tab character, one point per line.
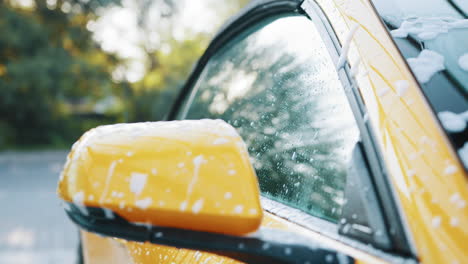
284	103
56	81
48	62
169	59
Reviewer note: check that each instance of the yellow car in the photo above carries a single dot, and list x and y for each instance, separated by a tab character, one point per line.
326	131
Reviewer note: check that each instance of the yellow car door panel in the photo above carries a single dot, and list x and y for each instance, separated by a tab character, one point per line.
424	169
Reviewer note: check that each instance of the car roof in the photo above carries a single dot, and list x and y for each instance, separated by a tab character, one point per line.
249	7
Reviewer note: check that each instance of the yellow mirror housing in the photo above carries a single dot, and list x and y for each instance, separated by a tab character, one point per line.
184	174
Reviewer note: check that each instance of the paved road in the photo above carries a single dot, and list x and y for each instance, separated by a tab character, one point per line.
33	226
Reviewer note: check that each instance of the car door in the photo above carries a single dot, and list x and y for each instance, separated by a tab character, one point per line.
272	74
352	160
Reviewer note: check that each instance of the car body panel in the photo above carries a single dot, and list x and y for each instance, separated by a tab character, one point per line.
144	253
429	180
98	249
428	177
106	250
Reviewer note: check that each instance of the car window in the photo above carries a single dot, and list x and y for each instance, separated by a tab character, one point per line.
435	25
461	5
433	35
278	86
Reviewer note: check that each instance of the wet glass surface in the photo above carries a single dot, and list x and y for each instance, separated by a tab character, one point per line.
279	88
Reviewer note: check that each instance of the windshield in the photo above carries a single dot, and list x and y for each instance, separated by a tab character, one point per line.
433	37
438	25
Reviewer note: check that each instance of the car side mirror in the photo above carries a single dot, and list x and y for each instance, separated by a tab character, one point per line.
193	175
187	184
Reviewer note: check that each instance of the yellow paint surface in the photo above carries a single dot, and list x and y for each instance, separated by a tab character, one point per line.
99	250
186	174
429	180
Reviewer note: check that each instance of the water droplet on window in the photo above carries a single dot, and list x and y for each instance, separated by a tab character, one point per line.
346	228
293	157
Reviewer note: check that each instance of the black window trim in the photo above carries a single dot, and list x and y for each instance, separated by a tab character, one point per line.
268	9
381	181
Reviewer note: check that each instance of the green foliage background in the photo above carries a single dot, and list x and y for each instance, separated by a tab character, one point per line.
53	74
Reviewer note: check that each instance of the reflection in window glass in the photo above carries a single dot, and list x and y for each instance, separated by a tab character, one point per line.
279	88
437	25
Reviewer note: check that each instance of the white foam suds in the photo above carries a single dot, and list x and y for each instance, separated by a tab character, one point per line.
428	28
144	203
383	92
452	122
183	206
110	173
426	65
454	221
227	195
346	45
197	162
78	200
197	206
463	62
137	182
108	213
220	141
238	209
455	198
436	221
355	67
401	87
450	169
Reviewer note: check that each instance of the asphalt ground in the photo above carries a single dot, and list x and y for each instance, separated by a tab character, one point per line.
33	225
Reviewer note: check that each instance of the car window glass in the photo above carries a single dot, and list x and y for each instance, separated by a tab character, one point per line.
435	32
436	25
462	5
279	88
